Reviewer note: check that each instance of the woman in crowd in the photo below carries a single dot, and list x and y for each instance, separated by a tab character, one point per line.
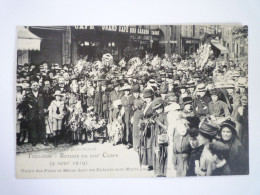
181	148
237	157
147	130
137	108
207	132
160	144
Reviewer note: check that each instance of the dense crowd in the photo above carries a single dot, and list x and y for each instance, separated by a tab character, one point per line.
189	114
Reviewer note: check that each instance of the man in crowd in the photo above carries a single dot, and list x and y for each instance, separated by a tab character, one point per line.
35	103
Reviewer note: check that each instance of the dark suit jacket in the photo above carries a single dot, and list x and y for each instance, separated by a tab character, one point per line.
66	88
35	106
115	96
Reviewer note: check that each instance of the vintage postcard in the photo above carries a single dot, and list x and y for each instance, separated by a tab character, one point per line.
132	101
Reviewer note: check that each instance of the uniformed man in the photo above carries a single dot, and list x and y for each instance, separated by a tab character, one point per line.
218	110
201	101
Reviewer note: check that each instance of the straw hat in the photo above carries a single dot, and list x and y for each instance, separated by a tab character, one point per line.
126	88
58	93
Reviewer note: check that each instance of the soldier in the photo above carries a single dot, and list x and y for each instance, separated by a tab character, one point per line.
201	101
218	110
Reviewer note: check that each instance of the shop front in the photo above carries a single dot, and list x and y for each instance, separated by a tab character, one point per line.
94	40
219	50
26	43
55	45
189	45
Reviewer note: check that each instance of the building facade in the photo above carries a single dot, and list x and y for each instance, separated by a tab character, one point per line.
190	39
238	47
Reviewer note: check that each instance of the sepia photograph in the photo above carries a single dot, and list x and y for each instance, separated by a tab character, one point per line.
132	101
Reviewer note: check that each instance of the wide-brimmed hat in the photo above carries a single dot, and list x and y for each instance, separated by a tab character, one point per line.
171	97
152	82
215	91
157	103
58	93
229	124
196	75
208	130
163	75
183	86
176	77
116	83
236	74
126	88
135	89
163	89
190	84
148	93
159	80
129	76
187	100
243	74
230	84
242	82
170	81
201	87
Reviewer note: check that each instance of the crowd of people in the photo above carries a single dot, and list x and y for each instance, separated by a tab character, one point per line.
189	114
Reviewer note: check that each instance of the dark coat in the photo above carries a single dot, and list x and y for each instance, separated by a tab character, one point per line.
47	96
115	95
194	155
200	106
35	106
238	157
149	136
65	89
101	103
160	158
138	104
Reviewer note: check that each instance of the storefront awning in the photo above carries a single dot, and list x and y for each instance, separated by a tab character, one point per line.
221	48
27	40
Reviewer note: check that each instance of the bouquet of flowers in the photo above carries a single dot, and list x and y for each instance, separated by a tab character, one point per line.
92	123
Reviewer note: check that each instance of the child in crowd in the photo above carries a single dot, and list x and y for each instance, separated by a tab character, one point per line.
56	114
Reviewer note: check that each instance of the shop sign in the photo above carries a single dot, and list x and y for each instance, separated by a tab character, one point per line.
155	32
192	41
85	27
122	29
173	42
